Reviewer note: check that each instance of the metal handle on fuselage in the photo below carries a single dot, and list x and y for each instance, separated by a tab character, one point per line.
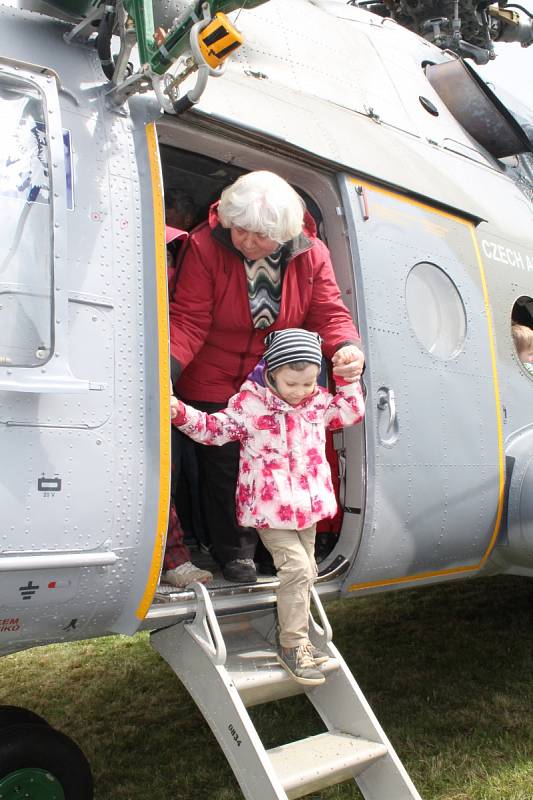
386	399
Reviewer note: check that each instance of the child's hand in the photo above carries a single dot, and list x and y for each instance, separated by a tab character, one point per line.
348	363
174	407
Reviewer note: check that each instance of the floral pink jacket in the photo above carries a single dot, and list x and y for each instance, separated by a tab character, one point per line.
284	477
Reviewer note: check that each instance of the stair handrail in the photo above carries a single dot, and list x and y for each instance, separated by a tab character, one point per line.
322	633
204	628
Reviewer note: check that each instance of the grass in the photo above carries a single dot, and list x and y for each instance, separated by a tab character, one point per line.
447	669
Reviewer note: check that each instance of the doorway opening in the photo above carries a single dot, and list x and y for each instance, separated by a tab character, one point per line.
198	167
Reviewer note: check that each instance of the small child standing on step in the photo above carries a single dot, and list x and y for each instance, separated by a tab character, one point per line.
284	486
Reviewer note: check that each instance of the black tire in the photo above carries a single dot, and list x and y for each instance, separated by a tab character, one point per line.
15	715
30	746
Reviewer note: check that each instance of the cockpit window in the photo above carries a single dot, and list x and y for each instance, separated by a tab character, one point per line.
522	332
25	211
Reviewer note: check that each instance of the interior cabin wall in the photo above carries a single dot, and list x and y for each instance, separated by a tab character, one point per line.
202	164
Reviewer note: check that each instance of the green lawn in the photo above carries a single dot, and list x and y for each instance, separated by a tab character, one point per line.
448	671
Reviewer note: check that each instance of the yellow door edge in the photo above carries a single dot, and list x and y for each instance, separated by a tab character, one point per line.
164	373
496	390
421	576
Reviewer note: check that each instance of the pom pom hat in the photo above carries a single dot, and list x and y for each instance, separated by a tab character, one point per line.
290	345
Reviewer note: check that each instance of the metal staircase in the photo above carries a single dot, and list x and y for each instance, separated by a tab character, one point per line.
229	664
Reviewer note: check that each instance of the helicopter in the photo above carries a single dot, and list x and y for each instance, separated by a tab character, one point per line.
419	180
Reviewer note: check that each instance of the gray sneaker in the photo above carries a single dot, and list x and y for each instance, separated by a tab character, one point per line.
182	576
318	656
300	666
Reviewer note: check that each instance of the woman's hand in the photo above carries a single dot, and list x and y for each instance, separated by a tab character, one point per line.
348	363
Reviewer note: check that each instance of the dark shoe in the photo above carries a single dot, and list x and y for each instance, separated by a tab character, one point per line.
241	570
298	663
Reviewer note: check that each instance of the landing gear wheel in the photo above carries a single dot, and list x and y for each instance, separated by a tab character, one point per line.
33	783
15	715
40	763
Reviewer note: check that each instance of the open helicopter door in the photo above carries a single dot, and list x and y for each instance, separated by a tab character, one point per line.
84	372
433	427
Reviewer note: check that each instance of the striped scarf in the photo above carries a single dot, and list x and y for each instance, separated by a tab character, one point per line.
264	288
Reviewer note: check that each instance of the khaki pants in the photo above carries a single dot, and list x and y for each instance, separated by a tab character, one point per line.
294	558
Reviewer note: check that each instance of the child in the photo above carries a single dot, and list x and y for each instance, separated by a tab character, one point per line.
284	484
523	340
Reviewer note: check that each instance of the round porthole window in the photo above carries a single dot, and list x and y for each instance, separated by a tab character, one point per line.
436	311
522	332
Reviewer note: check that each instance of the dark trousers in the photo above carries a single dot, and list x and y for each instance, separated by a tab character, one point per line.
218	469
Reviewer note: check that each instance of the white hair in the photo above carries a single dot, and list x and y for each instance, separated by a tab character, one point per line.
263	203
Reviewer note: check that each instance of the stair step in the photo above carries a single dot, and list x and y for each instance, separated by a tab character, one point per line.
317	762
260	679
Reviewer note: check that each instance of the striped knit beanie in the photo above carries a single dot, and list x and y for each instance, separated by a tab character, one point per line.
292	344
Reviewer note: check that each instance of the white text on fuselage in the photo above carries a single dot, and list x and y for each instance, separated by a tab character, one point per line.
507	255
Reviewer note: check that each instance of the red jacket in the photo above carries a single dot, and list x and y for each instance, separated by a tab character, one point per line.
213	343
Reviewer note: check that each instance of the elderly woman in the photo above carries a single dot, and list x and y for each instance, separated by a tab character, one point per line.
255	266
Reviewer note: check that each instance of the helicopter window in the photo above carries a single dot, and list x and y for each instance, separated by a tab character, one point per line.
436	311
522	332
25	266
